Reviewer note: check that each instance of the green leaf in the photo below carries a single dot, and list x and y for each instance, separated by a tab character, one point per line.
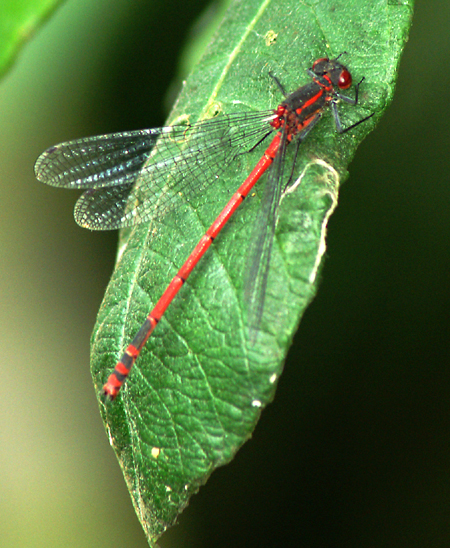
198	388
18	21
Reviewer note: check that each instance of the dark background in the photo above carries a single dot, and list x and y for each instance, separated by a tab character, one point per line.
355	450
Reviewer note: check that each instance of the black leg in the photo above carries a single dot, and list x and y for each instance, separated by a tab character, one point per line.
278	83
337	120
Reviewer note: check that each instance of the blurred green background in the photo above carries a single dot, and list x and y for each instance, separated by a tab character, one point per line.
355	450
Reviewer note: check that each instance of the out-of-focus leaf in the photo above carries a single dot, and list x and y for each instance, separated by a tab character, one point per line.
18	21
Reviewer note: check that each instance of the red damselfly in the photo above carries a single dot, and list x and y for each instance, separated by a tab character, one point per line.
131	177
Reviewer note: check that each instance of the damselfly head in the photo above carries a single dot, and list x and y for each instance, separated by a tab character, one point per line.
331	68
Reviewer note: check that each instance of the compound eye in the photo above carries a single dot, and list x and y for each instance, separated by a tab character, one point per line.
345	79
321	60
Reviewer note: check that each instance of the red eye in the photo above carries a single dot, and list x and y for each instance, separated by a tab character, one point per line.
321	60
345	79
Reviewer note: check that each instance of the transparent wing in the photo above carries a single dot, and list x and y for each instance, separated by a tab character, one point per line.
262	241
132	177
258	271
